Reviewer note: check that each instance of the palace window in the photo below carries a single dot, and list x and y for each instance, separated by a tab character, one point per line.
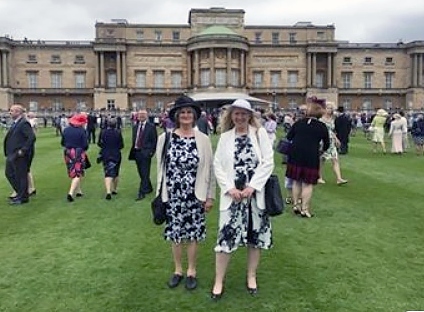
275	79
79	59
258	79
389	79
32	79
55	59
275	38
389	61
220	77
159	79
368	60
176	79
140	79
347	80
235	77
158	35
139	35
347	60
205	77
176	35
57	105
56	80
388	104
258	37
368	80
32	58
292	37
79	80
292	78
319	80
111	79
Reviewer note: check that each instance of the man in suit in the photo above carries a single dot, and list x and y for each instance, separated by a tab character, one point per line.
144	139
342	128
17	149
91	127
203	123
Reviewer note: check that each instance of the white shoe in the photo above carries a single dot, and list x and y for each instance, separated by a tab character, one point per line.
321	181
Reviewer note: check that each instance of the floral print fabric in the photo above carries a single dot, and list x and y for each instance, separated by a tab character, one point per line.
243	223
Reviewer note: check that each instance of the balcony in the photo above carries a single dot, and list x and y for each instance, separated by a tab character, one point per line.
53	91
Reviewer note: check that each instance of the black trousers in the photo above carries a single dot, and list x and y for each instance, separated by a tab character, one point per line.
143	160
16	172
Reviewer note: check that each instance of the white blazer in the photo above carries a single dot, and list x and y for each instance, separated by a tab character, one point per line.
224	164
205	184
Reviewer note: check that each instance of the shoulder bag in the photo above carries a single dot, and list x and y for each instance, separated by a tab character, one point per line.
157	205
274	203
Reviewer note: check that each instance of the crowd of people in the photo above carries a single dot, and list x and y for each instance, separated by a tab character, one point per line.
188	170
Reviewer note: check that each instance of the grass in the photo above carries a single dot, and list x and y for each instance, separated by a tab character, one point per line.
363	251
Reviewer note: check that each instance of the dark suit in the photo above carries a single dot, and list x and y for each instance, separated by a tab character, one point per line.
143	154
342	128
18	144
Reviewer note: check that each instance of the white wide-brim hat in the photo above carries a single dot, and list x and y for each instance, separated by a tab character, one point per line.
241	103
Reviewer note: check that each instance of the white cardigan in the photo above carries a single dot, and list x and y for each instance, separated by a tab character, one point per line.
224	165
205	184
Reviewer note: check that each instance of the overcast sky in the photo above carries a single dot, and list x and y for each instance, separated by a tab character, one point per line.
355	20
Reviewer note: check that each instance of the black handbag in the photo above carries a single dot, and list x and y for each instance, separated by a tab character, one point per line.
284	146
274	203
158	206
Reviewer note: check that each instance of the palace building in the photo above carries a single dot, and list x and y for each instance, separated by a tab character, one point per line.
214	58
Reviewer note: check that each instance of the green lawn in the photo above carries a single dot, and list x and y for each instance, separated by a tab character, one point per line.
362	252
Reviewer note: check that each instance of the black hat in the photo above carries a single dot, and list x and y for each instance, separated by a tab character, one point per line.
184	101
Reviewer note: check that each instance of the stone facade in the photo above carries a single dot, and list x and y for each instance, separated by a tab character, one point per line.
128	66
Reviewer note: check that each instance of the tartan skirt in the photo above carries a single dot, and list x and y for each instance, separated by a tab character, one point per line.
302	174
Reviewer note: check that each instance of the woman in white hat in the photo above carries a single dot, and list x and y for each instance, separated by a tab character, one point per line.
243	162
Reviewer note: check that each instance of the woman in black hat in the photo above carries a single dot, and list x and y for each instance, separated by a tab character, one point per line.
188	186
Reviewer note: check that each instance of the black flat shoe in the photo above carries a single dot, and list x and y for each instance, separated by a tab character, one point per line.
79	195
252	291
69	198
108	196
114	193
191	282
175	280
216	297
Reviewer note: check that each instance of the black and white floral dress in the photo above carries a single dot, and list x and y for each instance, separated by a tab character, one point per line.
243	223
185	214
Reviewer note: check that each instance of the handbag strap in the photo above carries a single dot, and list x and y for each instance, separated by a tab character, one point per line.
163	157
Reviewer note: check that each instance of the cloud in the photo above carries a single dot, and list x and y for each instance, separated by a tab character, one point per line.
355	20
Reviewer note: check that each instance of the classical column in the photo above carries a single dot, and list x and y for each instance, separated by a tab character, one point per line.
314	69
189	73
102	69
196	68
212	66
1	69
229	67
97	77
124	70
309	69
242	68
334	73
414	69
420	70
329	70
4	80
118	70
